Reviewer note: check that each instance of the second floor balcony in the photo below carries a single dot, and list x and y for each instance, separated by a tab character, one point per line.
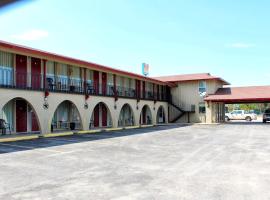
58	83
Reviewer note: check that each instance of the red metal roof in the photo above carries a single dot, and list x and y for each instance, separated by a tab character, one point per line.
190	77
95	66
252	94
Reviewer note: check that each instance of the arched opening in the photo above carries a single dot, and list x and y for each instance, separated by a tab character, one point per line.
66	117
146	116
101	116
161	115
126	116
18	116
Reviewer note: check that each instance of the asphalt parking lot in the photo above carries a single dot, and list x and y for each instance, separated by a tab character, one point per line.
199	162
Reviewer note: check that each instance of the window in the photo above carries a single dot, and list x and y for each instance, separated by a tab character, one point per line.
202	107
202	88
75	72
6	68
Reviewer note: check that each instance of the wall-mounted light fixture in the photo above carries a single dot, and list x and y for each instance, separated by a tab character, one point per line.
46	104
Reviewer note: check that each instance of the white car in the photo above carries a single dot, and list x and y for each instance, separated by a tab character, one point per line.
240	115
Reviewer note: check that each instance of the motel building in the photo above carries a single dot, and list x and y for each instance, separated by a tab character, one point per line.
42	92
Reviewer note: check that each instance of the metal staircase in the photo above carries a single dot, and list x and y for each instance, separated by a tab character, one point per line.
181	112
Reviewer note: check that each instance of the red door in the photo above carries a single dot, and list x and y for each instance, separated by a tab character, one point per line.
21	116
96	82
104	115
21	71
96	116
36	73
104	83
143	89
138	89
34	122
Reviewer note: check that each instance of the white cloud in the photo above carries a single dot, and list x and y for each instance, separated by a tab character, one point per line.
240	45
31	35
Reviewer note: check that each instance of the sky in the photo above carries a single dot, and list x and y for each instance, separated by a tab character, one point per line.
226	38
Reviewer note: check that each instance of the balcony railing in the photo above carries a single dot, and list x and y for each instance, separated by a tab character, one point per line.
57	83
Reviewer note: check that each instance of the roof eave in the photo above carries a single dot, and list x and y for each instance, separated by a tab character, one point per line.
27	50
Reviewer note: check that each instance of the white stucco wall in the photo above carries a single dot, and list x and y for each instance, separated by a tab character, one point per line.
187	94
44	116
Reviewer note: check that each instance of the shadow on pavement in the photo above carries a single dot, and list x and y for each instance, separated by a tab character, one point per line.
246	123
9	147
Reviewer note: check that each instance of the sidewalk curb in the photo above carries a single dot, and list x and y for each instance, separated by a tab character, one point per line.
19	138
52	135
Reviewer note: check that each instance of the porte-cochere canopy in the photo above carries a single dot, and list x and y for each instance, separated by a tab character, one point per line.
252	94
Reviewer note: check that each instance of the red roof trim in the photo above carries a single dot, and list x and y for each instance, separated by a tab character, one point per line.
241	94
190	77
91	65
247	100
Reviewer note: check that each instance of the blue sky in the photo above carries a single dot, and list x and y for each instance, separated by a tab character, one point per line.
227	38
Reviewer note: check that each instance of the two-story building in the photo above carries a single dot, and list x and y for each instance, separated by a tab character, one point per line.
188	96
45	92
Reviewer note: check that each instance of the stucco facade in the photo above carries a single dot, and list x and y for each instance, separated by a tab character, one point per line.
186	95
44	116
44	92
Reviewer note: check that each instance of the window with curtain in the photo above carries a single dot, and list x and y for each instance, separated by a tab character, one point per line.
127	83
6	68
62	70
75	75
50	68
132	83
110	79
62	76
89	76
75	72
